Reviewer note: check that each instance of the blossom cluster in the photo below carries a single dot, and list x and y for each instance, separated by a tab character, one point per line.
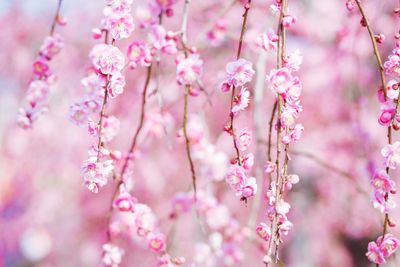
384	187
222	245
287	89
139	218
104	80
238	74
39	88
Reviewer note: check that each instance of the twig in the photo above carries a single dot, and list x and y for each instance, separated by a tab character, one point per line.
238	53
56	17
383	84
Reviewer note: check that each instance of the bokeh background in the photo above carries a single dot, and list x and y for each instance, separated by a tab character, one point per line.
47	218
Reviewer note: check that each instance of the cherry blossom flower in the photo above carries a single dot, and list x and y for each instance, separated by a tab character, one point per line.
139	54
244	140
249	188
156	242
189	69
41	68
236	177
268	41
241	101
112	255
388	111
382	248
391	152
52	45
288	21
124	202
116	85
263	231
392	65
120	24
280	80
108	59
238	73
382	182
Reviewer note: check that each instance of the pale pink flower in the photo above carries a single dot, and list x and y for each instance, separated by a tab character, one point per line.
41	68
268	41
189	69
241	102
112	255
294	135
250	188
238	73
244	140
236	177
108	59
392	89
388	112
282	207
382	248
38	92
293	61
162	40
217	217
124	202
382	182
51	46
392	65
139	54
289	116
110	129
156	242
291	180
248	161
285	226
263	231
288	21
381	203
120	25
391	154
119	6
374	253
96	173
269	167
116	85
280	80
78	114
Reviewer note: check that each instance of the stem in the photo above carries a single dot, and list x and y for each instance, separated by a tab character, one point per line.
238	53
274	240
186	99
53	25
133	144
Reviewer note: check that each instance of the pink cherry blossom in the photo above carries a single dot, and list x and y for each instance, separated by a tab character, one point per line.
116	85
52	45
280	80
236	177
156	242
112	255
119	24
268	41
249	188
263	231
124	202
139	54
244	140
241	101
41	68
382	182
189	70
391	153
238	73
108	59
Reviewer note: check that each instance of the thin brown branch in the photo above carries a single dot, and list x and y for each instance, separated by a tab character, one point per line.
238	54
56	17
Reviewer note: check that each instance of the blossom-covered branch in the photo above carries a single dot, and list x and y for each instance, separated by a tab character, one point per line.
44	79
383	185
